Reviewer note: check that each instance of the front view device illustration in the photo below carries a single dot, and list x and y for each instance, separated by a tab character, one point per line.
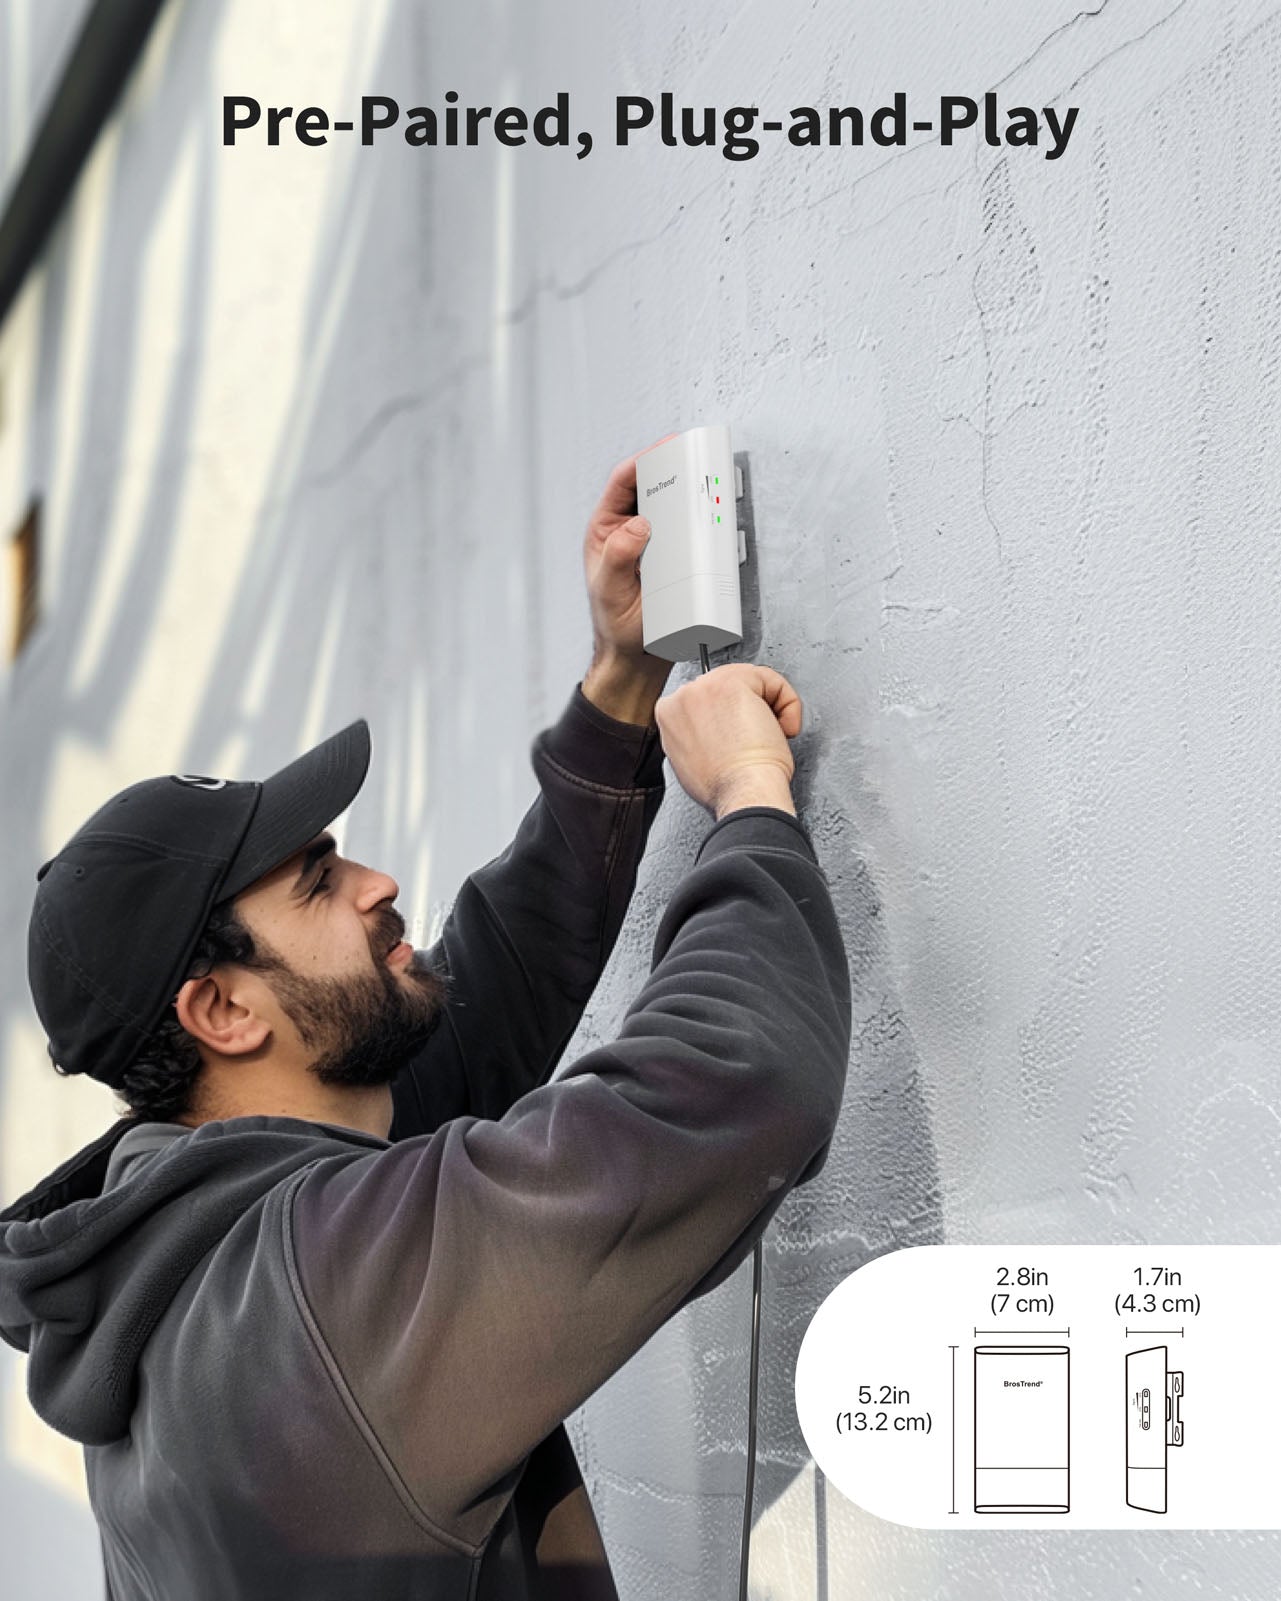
1021	1402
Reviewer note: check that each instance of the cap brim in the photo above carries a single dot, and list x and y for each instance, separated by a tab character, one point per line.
297	803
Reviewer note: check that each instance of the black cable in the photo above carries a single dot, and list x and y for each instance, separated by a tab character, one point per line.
754	1367
753	1380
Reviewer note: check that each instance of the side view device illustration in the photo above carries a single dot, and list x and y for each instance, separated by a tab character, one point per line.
689	487
1153	1395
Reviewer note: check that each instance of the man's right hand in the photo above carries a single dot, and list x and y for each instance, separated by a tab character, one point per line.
725	734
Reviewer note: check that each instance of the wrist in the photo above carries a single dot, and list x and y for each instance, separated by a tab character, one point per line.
763	786
624	685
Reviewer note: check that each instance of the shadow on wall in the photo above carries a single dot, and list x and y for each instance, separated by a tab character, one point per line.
272	654
54	709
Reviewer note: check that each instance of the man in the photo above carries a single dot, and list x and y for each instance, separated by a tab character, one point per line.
318	1307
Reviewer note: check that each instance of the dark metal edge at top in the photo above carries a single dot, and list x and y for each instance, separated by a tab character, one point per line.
96	70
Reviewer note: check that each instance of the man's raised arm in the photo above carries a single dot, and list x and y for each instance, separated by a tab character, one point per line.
530	933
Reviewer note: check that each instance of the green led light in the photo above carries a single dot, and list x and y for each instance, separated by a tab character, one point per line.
716	480
718	519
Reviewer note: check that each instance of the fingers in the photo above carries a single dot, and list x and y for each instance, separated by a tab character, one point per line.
783	699
619	496
773	689
623	548
726	735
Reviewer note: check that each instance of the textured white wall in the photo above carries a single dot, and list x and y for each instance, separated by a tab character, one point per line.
319	431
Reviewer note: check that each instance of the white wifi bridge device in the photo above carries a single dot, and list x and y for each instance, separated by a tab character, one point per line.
688	489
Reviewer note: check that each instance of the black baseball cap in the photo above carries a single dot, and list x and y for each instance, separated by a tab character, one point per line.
119	910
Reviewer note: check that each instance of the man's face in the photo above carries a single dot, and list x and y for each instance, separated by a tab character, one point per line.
358	996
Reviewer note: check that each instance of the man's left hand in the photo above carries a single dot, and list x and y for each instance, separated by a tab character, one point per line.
622	680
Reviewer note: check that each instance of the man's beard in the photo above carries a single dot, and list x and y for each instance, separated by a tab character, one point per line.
363	1029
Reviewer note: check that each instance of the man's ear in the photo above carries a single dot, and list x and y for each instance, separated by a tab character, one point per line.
211	1013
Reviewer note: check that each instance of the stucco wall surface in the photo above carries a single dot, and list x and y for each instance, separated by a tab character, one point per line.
318	432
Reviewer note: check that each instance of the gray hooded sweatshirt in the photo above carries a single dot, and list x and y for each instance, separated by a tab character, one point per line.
307	1364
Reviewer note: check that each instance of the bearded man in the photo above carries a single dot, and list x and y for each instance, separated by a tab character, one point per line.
318	1306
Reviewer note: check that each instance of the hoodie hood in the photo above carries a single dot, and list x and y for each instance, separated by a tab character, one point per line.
91	1259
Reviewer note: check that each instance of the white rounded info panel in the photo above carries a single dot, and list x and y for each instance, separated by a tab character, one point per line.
1066	1386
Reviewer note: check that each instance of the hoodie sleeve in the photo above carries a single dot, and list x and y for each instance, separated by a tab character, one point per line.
470	1288
530	933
